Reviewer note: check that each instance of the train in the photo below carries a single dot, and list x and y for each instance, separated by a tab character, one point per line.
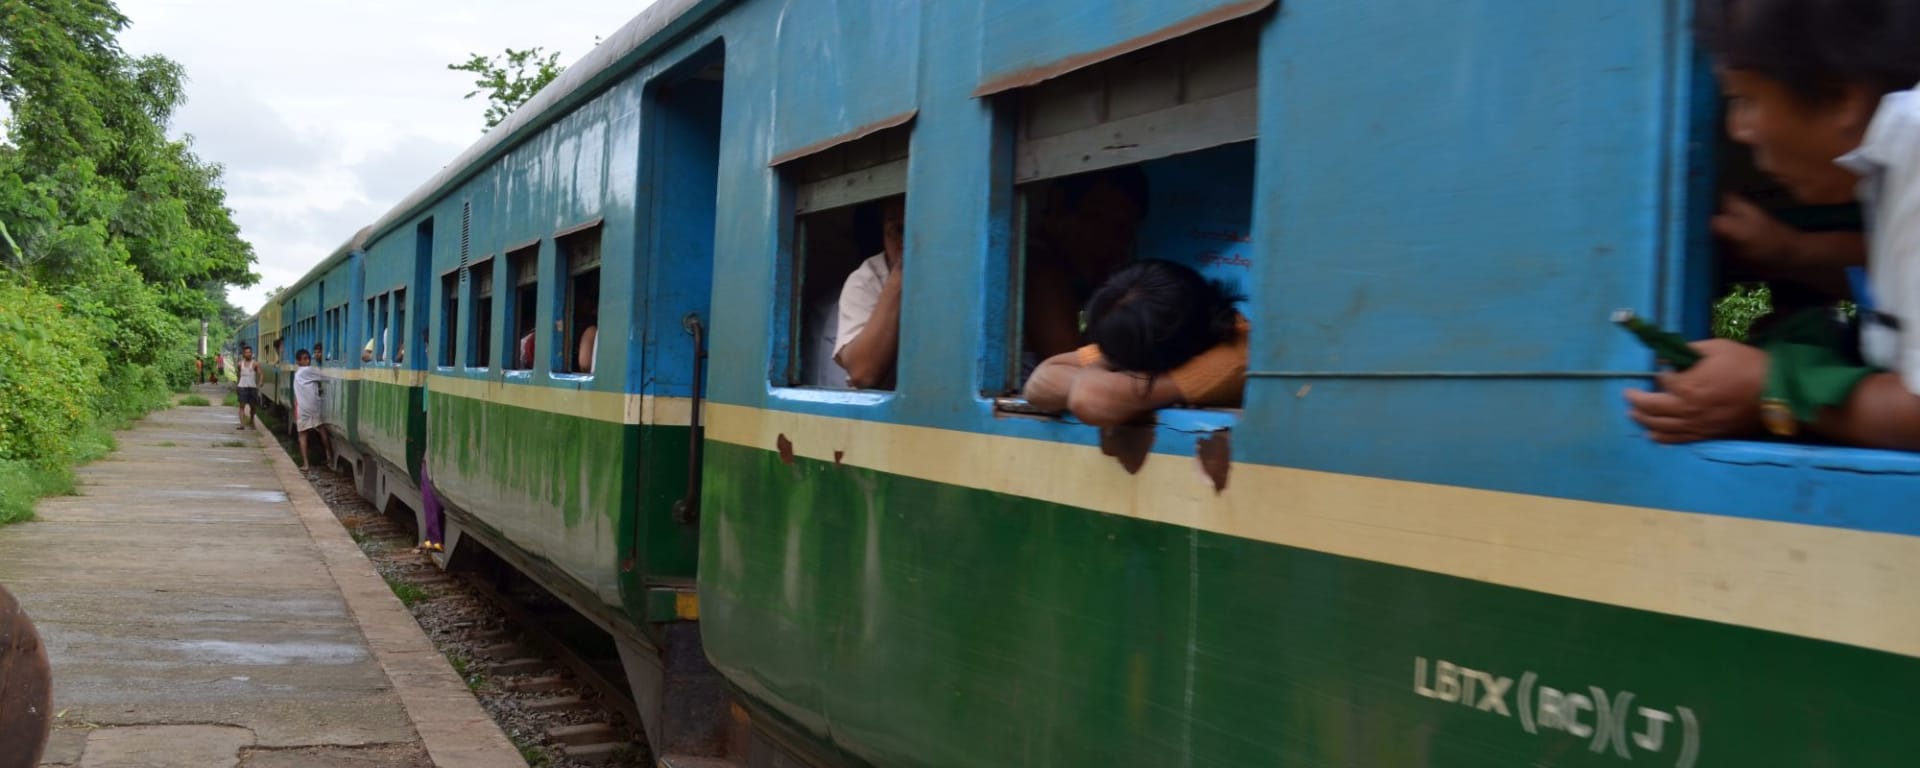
1430	535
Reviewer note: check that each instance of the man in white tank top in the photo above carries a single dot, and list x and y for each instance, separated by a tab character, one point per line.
248	377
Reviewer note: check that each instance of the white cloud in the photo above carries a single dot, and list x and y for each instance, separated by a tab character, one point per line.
326	114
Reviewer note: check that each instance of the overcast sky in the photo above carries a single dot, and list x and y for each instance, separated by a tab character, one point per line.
326	114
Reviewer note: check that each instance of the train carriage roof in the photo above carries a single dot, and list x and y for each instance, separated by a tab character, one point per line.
659	24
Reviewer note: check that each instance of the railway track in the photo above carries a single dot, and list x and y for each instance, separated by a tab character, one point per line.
550	678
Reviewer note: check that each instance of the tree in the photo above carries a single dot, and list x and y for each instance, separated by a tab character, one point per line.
510	79
121	228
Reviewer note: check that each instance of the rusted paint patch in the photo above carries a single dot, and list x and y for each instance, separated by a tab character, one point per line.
1215	453
1129	444
786	449
854	135
837	456
1044	72
26	686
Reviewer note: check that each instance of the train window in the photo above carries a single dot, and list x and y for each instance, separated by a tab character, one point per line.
336	336
400	325
523	265
371	329
449	317
580	268
849	208
383	338
1147	156
480	296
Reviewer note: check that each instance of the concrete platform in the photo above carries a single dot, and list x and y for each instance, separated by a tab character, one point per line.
202	607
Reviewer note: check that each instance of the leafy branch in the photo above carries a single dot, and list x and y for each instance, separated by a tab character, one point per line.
511	79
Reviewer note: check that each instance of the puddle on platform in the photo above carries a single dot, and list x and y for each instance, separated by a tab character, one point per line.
222	651
270	497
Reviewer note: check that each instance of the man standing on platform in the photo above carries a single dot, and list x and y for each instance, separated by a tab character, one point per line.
247	376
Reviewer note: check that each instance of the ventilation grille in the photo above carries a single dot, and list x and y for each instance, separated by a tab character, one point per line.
466	223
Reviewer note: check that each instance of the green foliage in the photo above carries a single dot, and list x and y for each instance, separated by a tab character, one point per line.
510	79
231	400
194	400
50	366
1735	313
115	241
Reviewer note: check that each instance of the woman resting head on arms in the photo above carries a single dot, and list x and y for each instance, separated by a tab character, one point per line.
1161	335
1823	92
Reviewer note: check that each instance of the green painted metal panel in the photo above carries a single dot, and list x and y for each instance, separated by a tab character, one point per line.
565	489
912	623
382	422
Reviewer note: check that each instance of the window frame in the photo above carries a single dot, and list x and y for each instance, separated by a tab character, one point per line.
480	276
866	170
1231	92
566	336
451	283
523	272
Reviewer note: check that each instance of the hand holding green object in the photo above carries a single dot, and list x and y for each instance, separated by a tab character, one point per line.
1670	347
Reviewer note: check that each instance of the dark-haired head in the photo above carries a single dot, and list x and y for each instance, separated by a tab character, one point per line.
302	357
1153	315
1817	49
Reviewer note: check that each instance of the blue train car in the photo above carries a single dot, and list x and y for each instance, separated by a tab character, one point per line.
1430	537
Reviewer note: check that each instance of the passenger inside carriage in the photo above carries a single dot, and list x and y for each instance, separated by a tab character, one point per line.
1161	335
1824	94
867	336
1086	230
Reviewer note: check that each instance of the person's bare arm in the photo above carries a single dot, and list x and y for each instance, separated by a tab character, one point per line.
583	356
1052	382
1762	240
869	358
1107	398
1881	413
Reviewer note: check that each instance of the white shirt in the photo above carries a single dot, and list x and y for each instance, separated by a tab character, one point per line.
248	373
306	389
1888	162
858	297
818	368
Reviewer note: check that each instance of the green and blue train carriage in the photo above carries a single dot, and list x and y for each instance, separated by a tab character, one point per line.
1429	538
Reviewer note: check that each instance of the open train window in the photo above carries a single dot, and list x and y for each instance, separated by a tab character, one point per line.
523	266
400	325
1150	155
849	209
580	272
480	297
371	329
449	316
383	338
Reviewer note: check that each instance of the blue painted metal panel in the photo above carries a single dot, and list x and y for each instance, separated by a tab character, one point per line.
843	65
1445	209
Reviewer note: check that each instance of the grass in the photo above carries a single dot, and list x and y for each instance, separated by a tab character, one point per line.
463	666
231	400
195	400
230	444
408	593
534	755
22	484
166	444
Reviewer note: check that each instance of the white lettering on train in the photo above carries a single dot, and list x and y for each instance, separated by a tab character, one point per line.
1608	721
